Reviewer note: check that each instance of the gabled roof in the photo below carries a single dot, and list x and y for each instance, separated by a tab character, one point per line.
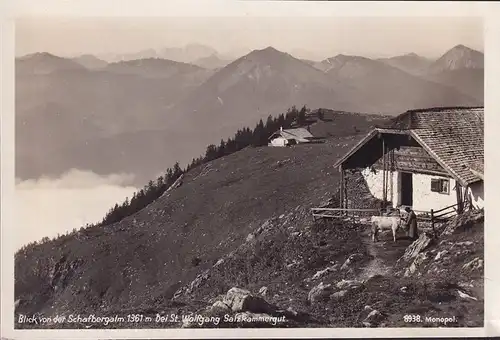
374	133
299	134
454	137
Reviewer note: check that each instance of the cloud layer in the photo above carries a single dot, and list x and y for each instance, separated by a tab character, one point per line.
47	207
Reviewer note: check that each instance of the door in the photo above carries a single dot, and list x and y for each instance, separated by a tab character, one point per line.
406	189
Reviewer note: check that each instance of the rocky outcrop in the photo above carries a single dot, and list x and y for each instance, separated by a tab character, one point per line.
464	221
242	300
373	317
417	262
475	264
349	284
198	281
320	293
263	291
242	307
325	292
61	272
321	273
421	244
350	260
178	182
338	295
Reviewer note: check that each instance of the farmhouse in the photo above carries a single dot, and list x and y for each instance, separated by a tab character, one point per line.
425	159
291	137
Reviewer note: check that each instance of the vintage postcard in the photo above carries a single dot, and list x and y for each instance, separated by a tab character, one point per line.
282	168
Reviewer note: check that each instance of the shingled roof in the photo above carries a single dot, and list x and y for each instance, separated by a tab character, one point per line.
452	136
299	134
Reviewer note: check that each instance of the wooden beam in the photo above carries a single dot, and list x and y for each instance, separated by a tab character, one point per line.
467	198
345	193
342	209
458	189
387	170
341	188
383	173
432	223
328	216
392	175
423	172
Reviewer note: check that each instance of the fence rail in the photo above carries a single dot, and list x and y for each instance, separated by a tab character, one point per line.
443	215
425	216
453	206
343	212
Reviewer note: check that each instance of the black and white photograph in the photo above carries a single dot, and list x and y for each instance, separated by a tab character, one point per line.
249	171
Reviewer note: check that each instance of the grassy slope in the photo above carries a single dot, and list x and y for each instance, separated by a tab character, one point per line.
206	217
140	262
145	255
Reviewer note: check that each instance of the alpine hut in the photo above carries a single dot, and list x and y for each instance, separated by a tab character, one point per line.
426	159
288	137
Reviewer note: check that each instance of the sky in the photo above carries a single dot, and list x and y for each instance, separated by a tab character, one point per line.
313	37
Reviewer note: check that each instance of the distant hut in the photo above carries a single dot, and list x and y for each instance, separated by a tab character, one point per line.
288	137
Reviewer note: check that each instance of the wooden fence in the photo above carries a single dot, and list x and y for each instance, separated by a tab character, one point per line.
432	216
442	215
342	213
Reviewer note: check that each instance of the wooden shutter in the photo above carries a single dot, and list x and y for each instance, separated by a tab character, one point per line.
435	185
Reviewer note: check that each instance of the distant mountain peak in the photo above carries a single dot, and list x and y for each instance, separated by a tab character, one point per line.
348	57
267	55
341	59
270	48
45	63
460	46
39	55
267	50
90	61
459	57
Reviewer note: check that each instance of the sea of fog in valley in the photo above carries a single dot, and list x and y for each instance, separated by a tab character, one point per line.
52	206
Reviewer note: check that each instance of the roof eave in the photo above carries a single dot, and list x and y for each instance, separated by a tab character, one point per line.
367	138
376	131
479	175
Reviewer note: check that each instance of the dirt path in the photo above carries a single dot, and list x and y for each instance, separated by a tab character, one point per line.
385	253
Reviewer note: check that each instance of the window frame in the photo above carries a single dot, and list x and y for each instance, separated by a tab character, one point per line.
441	182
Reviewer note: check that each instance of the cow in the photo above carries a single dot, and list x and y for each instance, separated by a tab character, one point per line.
381	223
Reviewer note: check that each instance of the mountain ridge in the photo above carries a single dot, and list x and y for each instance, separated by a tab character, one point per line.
207	104
410	62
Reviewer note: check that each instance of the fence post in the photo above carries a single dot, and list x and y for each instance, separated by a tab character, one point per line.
432	223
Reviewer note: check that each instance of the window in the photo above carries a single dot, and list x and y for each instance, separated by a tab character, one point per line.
440	185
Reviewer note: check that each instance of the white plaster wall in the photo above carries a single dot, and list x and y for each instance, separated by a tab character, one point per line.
425	199
279	141
476	190
375	183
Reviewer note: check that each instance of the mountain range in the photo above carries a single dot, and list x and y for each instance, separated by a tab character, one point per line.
90	113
